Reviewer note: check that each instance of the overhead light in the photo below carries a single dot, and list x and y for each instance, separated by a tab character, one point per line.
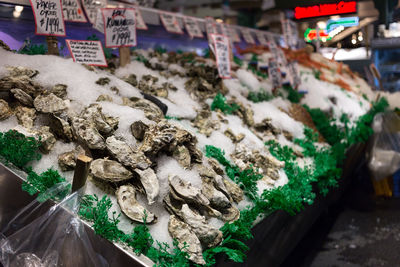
335	17
353	41
360	38
219	20
19	8
16	14
321	24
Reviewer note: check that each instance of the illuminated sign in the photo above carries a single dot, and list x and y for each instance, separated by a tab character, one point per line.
325	10
345	22
311	34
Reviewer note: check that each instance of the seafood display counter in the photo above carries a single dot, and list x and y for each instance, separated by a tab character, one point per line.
194	155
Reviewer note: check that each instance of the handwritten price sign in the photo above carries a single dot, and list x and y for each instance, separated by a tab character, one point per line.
119	26
48	17
261	38
87	52
91	7
193	28
274	73
221	47
247	36
72	11
140	24
170	23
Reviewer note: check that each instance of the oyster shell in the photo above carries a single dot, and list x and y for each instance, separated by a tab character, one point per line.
215	166
60	90
151	110
138	128
61	128
126	155
5	110
182	155
234	190
183	234
47	139
21	82
103	81
86	131
22	71
50	104
105	125
67	160
104	98
26	116
131	79
217	199
126	196
109	170
233	137
186	191
204	122
150	184
22	97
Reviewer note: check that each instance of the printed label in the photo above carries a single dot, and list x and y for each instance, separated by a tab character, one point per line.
48	17
87	52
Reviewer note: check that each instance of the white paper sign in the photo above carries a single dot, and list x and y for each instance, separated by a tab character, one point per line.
91	7
235	37
48	17
99	22
72	11
119	26
222	55
87	52
261	38
192	27
211	26
293	72
140	24
246	33
170	22
274	73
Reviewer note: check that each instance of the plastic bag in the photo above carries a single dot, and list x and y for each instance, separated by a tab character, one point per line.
44	234
384	155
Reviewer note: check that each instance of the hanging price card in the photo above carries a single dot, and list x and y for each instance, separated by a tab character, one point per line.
293	72
91	7
48	17
72	11
192	27
119	26
170	23
99	23
274	73
140	24
221	47
246	33
235	37
87	52
261	38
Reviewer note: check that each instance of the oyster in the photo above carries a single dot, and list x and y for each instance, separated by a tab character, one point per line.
114	89
4	46
150	184
200	88
233	137
266	127
60	90
195	153
22	71
46	138
104	98
105	125
234	190
169	86
187	240
24	98
215	166
86	131
148	85
126	155
109	170
132	80
67	160
138	128
182	155
204	122
26	116
217	199
126	196
49	104
151	110
103	81
5	111
61	128
186	191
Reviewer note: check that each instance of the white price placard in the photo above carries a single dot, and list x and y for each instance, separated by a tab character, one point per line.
119	26
99	23
87	52
261	38
72	11
91	8
274	73
246	33
235	37
170	22
222	55
192	27
211	26
140	24
293	71
48	17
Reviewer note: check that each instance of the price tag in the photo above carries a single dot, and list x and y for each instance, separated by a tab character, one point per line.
170	23
221	47
87	52
193	28
99	23
293	39
235	37
261	38
246	33
72	11
211	28
91	7
294	74
119	26
48	17
274	73
140	24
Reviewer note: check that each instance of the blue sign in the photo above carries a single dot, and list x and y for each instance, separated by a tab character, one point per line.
345	22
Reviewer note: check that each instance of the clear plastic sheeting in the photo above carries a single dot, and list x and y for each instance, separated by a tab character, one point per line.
44	234
384	156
